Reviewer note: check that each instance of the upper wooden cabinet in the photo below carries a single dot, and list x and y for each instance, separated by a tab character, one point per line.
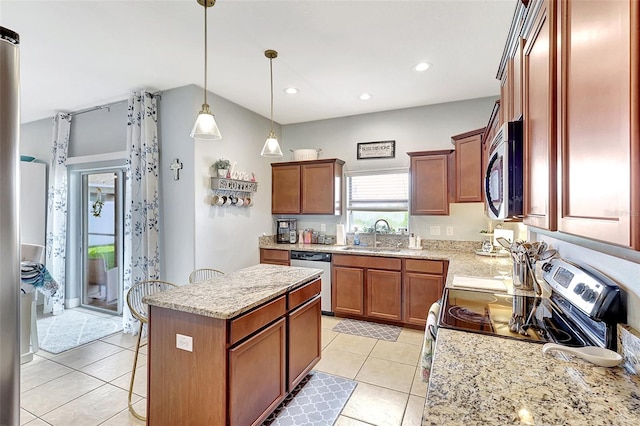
540	183
468	170
430	182
510	70
307	187
599	120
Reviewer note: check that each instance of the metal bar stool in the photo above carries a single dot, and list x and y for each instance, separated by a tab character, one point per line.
203	275
140	311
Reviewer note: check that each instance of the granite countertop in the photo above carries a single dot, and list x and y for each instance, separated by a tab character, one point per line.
487	380
230	295
462	261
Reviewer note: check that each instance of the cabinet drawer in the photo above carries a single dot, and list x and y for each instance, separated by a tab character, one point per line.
246	324
300	295
280	257
425	266
367	262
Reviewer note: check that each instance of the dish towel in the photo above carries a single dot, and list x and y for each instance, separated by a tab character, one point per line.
429	343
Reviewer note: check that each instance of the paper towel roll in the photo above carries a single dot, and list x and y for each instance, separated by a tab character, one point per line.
341	235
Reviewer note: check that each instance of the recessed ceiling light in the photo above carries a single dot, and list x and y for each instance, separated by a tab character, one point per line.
365	97
291	90
423	66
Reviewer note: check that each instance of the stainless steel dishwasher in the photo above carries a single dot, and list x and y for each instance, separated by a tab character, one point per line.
311	259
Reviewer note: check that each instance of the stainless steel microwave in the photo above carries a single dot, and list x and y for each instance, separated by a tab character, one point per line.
503	181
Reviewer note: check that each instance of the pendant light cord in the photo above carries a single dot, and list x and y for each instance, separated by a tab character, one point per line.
205	52
271	73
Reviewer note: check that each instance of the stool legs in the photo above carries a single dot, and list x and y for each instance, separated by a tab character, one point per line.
133	376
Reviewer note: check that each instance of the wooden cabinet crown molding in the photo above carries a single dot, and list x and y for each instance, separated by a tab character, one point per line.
468	134
299	163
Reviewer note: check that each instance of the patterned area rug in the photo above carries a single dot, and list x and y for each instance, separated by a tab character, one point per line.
59	333
317	400
386	332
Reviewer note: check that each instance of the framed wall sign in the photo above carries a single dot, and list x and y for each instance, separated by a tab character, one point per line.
380	149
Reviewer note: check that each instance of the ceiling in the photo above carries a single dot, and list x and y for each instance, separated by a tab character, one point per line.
78	54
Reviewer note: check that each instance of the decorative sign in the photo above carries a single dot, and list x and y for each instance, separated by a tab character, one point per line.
381	149
233	185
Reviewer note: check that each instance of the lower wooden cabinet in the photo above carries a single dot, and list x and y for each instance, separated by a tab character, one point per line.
257	375
274	256
384	295
348	290
304	341
393	290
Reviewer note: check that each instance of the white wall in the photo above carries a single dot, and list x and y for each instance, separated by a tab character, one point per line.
414	129
226	238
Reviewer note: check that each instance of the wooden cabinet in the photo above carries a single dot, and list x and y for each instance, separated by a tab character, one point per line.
430	182
304	341
239	369
540	119
490	131
384	295
274	256
389	290
468	170
423	282
307	187
257	375
599	120
348	289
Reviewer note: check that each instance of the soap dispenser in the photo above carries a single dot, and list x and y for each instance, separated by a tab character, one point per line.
356	237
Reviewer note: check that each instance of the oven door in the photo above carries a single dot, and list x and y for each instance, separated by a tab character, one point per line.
496	181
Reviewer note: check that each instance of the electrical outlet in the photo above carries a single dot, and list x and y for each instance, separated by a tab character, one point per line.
434	230
449	230
323	227
184	342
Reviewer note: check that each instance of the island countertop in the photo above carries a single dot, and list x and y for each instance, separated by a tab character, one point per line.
231	294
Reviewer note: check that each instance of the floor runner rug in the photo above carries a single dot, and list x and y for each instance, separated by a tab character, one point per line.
59	333
386	332
318	400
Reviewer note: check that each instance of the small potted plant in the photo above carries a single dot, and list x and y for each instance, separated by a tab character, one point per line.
222	166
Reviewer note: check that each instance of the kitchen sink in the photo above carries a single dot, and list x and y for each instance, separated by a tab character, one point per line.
371	249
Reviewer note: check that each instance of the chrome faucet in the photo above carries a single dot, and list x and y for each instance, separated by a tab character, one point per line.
375	230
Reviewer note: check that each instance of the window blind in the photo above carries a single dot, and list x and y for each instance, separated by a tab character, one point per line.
379	192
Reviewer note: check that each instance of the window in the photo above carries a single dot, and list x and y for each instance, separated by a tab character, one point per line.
377	195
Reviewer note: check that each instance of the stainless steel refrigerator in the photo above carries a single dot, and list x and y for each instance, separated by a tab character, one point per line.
9	229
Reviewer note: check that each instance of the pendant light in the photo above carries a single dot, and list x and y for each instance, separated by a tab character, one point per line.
205	126
271	147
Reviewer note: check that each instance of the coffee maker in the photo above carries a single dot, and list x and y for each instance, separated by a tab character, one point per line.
286	231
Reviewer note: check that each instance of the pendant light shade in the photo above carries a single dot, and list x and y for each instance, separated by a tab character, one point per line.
271	146
205	126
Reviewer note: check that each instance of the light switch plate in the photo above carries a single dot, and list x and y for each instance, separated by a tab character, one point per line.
323	227
184	342
434	230
449	230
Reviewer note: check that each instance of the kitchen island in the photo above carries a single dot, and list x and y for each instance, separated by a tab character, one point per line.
228	350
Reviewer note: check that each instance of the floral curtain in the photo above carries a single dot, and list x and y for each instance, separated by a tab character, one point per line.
141	229
57	212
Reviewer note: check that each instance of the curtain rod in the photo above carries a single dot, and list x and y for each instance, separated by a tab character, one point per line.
157	94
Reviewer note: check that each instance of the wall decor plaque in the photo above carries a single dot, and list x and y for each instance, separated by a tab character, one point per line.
380	149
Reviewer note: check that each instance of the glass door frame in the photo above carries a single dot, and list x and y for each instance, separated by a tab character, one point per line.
119	190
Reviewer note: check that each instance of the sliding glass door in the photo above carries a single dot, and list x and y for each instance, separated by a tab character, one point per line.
102	220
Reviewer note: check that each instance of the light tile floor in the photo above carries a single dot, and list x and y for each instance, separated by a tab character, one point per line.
88	385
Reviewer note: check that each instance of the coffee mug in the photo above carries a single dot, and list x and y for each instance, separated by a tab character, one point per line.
226	200
217	200
239	201
247	202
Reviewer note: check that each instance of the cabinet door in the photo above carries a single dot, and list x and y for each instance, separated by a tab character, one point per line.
384	294
274	257
429	184
285	189
304	341
420	291
469	169
506	94
348	290
540	121
318	189
598	135
257	376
